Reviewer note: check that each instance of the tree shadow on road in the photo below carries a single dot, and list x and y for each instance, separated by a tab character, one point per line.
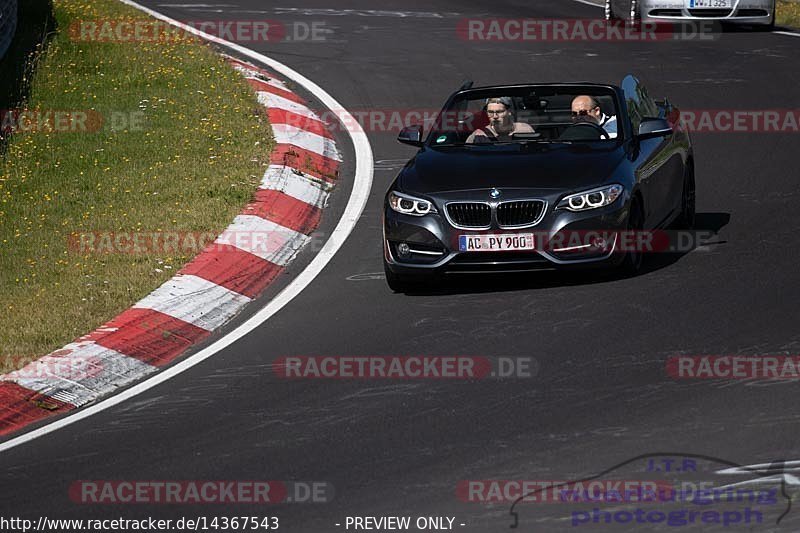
707	227
35	27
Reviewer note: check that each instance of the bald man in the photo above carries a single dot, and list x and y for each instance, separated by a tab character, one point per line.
585	107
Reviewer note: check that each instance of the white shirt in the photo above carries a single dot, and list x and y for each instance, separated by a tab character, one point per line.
609	123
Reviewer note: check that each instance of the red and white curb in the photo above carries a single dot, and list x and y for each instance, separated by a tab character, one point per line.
208	291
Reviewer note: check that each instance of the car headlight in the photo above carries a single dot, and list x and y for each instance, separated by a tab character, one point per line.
410	205
592	199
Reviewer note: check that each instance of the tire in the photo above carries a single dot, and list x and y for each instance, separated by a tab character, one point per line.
771	26
688	215
629	17
400	282
610	12
632	263
634	15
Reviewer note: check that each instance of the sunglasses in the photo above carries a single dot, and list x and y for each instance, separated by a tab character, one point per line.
582	112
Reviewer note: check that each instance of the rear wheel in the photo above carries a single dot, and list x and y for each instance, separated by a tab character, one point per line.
634	258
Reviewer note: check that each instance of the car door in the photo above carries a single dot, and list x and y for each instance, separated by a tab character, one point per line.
658	164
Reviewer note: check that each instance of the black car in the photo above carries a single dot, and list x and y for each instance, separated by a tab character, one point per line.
556	192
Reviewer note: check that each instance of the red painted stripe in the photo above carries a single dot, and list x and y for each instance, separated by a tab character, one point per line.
282	116
20	406
263	86
285	210
304	160
234	269
152	337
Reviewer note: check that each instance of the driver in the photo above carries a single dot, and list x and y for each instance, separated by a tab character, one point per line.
586	108
501	125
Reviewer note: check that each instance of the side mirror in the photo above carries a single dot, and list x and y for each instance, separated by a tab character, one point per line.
411	135
654	127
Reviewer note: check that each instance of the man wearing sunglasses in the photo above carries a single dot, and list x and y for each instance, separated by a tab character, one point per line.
501	125
586	108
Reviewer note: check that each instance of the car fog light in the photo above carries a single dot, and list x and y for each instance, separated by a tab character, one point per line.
403	249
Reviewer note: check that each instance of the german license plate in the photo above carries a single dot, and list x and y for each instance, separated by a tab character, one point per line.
710	4
496	243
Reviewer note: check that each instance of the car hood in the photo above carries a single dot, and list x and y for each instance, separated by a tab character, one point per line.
543	166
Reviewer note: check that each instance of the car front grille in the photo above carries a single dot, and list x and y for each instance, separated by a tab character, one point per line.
470	214
520	213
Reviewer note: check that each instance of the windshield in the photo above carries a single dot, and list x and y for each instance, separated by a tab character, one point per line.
528	115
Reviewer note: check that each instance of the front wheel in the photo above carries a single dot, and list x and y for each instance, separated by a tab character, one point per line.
686	219
632	263
611	13
628	12
633	14
771	25
402	282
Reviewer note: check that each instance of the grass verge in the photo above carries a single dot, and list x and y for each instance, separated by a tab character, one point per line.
181	148
788	14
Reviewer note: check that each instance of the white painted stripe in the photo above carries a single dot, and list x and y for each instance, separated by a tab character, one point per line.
789	33
279	102
301	186
263	238
195	300
352	214
249	71
197	5
81	376
288	134
271	82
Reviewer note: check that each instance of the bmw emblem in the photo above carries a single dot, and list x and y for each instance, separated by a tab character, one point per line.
495	193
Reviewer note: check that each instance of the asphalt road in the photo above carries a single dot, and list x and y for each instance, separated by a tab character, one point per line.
600	396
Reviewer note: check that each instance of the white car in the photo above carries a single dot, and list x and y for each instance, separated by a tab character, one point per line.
755	12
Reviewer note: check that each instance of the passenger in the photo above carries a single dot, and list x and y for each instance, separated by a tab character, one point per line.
587	108
501	125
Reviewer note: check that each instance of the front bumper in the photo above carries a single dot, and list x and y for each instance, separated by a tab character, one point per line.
742	12
561	239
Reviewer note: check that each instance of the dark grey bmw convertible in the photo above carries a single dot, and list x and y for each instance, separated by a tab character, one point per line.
537	176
